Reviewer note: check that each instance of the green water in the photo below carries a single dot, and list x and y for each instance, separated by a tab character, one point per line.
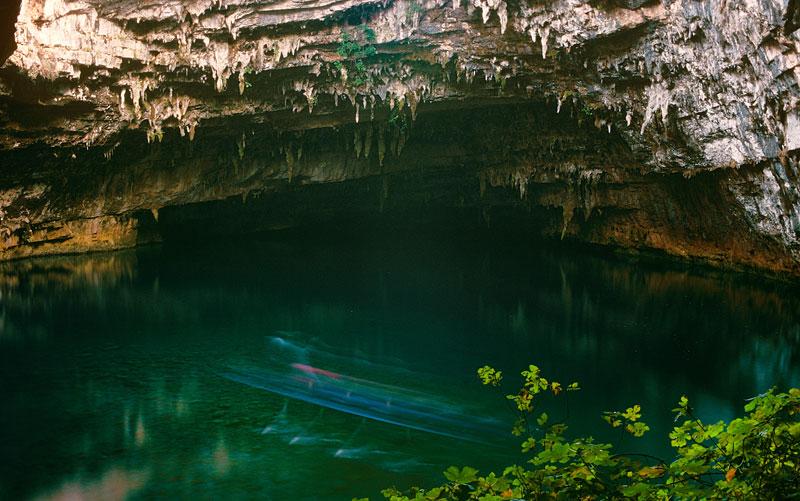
112	366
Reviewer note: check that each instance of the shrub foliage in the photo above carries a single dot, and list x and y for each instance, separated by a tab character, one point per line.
354	50
756	456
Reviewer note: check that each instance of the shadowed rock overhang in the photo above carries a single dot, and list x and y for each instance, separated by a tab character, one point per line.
667	126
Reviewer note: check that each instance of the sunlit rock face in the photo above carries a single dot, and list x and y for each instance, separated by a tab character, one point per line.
668	126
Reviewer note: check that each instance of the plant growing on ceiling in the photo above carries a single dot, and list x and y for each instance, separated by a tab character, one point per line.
354	49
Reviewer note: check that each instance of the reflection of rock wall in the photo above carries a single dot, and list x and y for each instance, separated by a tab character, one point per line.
66	272
705	90
21	283
116	483
574	306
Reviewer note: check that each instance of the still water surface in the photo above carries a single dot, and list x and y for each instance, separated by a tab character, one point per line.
325	371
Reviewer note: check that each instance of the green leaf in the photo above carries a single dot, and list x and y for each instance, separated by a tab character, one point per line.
632	413
519	427
612	419
639	490
683	407
528	444
369	33
490	376
558	453
637	429
463	476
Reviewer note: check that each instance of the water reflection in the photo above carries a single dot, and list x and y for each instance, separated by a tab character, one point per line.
111	365
115	485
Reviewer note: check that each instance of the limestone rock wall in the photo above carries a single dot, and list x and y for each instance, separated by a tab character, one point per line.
693	98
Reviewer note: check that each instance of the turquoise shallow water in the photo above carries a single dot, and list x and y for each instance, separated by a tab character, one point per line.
121	374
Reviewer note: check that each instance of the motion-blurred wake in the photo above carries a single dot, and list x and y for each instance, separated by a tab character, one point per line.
303	372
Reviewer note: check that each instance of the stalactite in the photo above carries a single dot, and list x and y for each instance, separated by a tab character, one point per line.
122	109
544	35
658	98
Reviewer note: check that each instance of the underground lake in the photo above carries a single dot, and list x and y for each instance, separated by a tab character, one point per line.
289	369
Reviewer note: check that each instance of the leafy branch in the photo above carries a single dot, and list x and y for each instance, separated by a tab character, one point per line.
756	456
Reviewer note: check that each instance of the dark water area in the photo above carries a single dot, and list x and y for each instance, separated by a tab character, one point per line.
328	370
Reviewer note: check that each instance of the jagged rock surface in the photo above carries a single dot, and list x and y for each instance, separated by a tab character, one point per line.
669	125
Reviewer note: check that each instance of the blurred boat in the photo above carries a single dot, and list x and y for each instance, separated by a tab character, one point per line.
290	374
